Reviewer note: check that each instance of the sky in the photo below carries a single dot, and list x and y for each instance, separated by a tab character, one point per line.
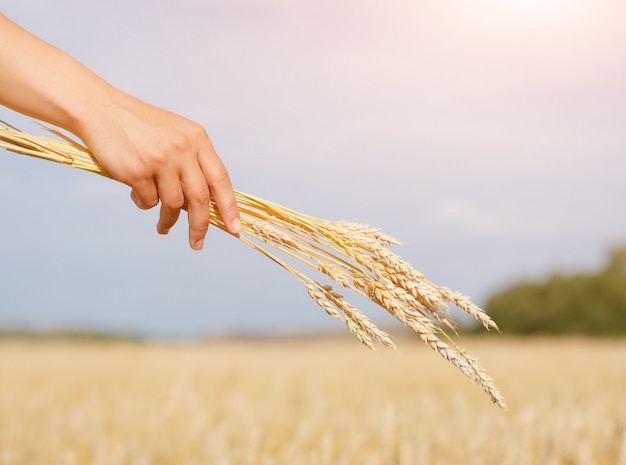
488	136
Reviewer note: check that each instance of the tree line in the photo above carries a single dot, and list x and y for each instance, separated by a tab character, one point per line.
593	304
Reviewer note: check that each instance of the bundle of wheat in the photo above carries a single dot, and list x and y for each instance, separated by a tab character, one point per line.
355	256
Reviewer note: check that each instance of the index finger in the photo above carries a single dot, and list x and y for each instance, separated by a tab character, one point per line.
221	189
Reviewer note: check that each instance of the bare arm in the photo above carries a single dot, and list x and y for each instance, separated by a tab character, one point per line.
160	155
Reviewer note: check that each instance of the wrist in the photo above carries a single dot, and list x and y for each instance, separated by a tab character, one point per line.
90	109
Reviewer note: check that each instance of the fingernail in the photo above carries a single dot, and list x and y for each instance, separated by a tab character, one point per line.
235	226
198	245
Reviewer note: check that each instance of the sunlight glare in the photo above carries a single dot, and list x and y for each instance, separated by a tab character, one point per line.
532	6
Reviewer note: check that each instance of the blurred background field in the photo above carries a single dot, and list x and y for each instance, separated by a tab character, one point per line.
487	136
310	401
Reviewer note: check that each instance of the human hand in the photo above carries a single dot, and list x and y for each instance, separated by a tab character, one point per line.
162	157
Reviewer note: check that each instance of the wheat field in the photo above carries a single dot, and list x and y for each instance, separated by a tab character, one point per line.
309	401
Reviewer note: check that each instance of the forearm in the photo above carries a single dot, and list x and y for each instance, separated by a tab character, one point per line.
160	155
42	81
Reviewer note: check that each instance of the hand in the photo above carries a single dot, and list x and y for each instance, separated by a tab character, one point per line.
162	157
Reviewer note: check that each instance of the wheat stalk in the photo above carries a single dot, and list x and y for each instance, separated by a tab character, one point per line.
354	256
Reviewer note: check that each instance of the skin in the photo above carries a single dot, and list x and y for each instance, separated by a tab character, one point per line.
162	156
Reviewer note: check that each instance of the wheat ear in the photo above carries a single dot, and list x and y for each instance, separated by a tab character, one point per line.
353	256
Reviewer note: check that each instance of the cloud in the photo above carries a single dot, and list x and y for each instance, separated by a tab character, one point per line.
466	216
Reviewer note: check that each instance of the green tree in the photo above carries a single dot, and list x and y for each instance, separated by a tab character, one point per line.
592	304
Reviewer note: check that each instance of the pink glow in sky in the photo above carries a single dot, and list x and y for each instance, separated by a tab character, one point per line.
487	135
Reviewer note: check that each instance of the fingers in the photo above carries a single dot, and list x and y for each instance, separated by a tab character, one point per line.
185	169
200	186
198	198
172	200
144	194
221	189
192	187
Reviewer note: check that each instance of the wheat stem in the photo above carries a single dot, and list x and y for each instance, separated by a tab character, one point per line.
355	256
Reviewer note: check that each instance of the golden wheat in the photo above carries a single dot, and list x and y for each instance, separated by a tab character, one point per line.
355	256
308	401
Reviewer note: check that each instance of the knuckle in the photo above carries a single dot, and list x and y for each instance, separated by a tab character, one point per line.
135	174
197	132
180	143
200	196
139	173
230	209
199	230
174	203
189	136
187	141
159	159
143	193
145	203
221	178
149	201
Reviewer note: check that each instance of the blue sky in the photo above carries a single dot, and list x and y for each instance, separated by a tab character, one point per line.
488	137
